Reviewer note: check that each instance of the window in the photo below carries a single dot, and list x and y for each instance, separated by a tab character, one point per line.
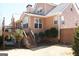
71	9
25	22
40	11
25	25
55	21
62	20
38	23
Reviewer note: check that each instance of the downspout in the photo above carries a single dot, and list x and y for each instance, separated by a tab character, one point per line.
77	6
59	27
3	31
45	8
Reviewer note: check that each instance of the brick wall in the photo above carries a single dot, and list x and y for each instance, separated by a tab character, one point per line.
67	35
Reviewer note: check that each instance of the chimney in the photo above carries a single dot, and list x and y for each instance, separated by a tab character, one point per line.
29	8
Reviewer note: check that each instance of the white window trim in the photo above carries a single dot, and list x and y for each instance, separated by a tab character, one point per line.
62	20
26	22
55	19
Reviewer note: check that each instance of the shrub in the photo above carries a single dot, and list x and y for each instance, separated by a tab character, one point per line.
76	42
1	40
1	37
53	32
41	34
47	33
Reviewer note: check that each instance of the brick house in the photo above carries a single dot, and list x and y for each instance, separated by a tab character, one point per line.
47	15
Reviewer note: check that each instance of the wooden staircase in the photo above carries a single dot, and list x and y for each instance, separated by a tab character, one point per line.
29	40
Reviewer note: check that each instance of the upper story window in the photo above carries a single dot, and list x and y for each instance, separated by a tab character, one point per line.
71	9
38	23
25	22
40	11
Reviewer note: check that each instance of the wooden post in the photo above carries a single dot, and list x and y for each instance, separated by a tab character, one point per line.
59	25
3	31
13	24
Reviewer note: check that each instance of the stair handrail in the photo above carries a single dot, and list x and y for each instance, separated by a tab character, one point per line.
27	42
32	36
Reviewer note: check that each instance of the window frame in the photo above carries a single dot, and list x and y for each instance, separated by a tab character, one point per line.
38	22
55	21
62	20
27	23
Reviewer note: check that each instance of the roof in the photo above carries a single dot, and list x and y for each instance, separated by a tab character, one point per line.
52	4
58	10
30	14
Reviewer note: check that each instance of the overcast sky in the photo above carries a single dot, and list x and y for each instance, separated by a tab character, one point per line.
16	7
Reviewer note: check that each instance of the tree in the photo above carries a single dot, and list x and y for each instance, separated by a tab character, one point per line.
76	42
19	36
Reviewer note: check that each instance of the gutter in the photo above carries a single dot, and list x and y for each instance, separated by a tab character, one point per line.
29	14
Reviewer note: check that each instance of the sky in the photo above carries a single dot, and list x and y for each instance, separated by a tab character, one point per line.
9	9
16	7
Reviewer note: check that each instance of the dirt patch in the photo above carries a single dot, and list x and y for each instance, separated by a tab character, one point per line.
55	50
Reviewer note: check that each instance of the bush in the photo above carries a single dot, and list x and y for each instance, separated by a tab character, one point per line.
1	37
53	32
47	33
41	34
1	40
76	42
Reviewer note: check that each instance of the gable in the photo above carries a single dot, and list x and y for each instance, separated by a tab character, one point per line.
71	8
45	6
71	16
